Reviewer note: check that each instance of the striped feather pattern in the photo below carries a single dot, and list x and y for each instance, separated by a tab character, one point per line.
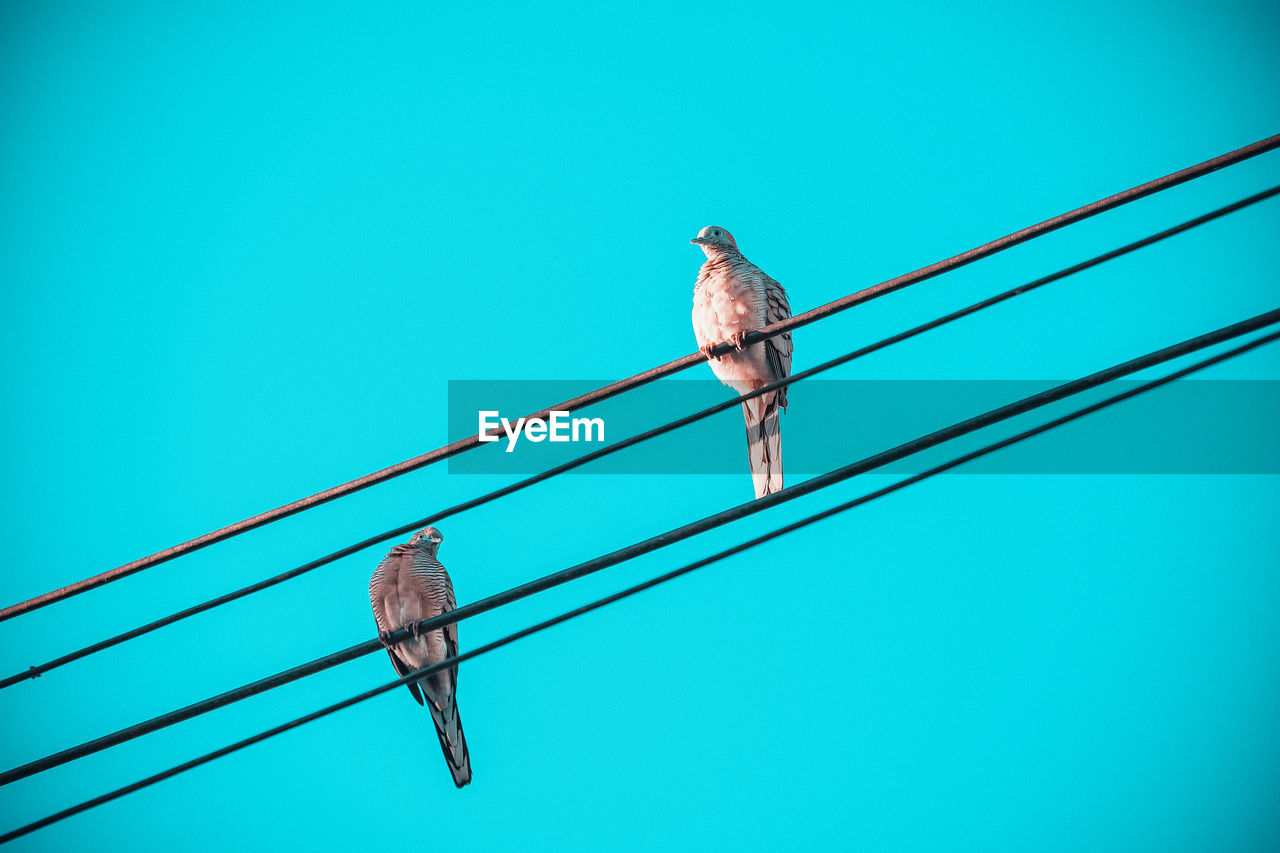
410	585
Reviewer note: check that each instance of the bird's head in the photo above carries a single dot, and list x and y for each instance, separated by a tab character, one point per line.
430	537
715	241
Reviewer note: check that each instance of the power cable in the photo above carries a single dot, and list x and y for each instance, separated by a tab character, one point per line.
37	671
630	591
654	543
615	388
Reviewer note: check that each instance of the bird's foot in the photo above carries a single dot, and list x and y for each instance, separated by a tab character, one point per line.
414	630
705	349
385	639
739	339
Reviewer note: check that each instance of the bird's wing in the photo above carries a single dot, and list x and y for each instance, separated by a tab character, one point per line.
451	630
403	671
778	348
377	598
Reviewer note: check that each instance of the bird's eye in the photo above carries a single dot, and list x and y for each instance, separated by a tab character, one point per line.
717	233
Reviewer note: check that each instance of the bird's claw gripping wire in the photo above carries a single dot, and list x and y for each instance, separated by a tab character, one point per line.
739	340
415	630
706	350
385	638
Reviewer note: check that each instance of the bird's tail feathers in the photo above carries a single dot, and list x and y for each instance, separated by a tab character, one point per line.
764	443
452	741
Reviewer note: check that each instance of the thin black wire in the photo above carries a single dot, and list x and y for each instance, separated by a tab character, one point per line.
633	590
615	388
37	671
655	542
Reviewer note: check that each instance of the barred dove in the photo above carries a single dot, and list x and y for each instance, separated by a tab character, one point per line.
408	586
732	297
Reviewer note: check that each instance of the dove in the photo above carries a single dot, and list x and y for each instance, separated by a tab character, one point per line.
731	297
408	586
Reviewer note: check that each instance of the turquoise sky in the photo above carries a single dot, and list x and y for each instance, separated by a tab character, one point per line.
245	246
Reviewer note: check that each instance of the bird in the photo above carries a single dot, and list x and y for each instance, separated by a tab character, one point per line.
732	297
408	586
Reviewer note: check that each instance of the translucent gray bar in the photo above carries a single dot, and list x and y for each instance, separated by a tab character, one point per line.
1189	427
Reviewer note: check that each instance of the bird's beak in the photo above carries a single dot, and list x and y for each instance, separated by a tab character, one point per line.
436	539
698	240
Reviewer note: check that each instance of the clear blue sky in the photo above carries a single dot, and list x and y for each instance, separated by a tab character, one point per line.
243	251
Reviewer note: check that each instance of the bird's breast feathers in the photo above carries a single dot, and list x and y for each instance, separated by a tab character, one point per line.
726	301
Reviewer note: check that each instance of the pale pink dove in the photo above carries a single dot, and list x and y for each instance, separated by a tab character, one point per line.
732	297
